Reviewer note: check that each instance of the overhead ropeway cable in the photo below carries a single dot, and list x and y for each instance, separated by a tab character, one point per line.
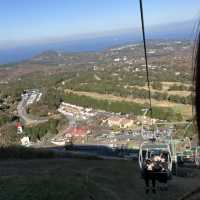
145	56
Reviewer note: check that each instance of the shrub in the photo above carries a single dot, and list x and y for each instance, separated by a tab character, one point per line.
157	85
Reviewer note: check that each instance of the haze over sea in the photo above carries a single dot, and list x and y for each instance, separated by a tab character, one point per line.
174	31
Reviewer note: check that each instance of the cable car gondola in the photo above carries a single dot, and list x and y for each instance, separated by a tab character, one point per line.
149	149
197	156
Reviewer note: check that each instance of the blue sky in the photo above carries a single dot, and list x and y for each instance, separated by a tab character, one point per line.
29	20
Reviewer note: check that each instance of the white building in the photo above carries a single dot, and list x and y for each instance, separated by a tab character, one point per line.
120	122
25	141
117	59
19	128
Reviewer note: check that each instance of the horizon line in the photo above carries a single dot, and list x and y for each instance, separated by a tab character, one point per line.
81	36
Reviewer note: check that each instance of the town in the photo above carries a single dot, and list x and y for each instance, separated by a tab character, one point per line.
103	99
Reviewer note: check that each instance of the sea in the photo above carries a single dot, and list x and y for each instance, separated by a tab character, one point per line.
180	31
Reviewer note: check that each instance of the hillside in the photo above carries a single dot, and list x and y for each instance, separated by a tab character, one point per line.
113	80
74	179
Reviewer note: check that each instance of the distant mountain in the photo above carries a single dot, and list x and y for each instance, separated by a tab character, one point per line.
174	31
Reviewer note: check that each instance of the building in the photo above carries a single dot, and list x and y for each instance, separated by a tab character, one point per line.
77	132
146	120
127	123
19	128
113	121
121	122
76	111
25	141
117	59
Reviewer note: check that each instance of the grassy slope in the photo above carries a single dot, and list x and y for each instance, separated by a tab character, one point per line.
185	110
81	179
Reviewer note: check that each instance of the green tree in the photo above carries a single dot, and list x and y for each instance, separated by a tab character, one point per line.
157	85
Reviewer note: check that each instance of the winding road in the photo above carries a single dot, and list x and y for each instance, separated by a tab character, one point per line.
28	119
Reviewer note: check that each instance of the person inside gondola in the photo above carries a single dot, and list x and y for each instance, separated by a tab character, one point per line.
149	174
163	175
156	169
163	161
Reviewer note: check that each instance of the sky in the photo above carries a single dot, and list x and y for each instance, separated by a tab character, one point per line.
37	20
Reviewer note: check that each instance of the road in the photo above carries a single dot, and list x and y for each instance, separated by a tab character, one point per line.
21	109
72	123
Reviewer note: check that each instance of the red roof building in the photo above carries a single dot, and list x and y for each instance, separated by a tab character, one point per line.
18	125
19	128
77	132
